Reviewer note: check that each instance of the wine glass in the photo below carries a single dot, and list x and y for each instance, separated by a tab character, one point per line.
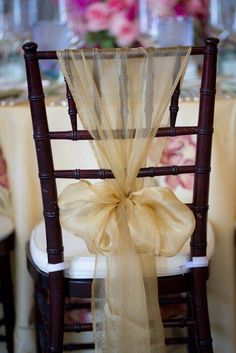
11	61
148	24
163	31
222	24
232	37
221	18
49	30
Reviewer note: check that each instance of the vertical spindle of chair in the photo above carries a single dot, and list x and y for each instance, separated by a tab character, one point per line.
72	111
200	196
49	196
207	95
174	105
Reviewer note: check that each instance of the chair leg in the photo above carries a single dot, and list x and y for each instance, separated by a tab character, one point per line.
41	318
200	307
56	312
192	340
192	331
8	301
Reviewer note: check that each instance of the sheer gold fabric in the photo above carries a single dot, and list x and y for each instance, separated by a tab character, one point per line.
121	96
5	202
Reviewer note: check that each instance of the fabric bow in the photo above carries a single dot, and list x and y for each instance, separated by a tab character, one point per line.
158	222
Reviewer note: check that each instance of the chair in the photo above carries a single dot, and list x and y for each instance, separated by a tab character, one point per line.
6	287
184	287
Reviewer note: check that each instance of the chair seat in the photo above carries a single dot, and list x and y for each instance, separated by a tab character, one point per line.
6	226
81	262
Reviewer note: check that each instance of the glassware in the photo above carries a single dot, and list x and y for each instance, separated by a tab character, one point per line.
222	23
11	61
49	30
148	30
163	30
178	30
221	18
231	39
49	24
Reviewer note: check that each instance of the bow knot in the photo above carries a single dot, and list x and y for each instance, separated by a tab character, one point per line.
158	223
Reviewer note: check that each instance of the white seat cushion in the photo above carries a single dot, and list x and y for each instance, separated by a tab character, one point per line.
81	262
6	226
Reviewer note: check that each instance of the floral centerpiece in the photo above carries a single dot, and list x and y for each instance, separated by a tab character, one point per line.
104	24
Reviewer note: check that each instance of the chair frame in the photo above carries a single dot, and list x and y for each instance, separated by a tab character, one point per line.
54	283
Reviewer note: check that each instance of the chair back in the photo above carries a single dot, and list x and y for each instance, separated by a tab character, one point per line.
48	175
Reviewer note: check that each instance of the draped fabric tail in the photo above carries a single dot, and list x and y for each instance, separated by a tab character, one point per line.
122	96
125	331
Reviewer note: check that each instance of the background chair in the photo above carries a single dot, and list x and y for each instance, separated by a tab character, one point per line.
6	287
183	287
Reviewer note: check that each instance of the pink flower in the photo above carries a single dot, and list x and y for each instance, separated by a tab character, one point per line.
179	151
116	5
97	16
129	7
124	30
180	9
198	8
117	17
132	11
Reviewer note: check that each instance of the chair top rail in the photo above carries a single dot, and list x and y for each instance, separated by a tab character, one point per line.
49	55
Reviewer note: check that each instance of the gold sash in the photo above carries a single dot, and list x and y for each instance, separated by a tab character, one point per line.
117	98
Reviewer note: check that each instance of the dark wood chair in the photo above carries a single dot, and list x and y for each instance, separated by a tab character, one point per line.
186	290
6	287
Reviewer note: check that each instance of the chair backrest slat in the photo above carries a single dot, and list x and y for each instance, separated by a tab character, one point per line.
174	105
85	135
72	111
143	172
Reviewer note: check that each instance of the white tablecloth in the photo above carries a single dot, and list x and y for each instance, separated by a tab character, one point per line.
17	144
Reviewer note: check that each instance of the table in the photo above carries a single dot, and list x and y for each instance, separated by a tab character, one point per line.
17	145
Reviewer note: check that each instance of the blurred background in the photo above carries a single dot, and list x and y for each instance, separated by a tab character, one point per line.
59	24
